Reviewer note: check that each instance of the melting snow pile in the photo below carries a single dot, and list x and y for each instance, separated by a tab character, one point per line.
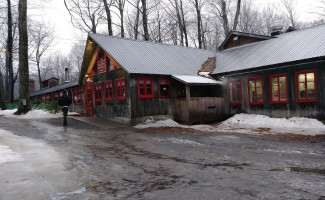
156	124
265	121
33	114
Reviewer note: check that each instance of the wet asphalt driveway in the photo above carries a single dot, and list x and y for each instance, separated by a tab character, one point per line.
86	162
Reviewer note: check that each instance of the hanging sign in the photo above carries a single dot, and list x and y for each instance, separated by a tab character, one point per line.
101	65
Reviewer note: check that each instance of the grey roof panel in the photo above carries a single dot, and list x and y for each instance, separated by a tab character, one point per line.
293	46
142	57
55	88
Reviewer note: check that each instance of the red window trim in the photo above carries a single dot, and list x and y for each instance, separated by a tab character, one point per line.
121	80
249	92
98	92
271	89
111	92
297	89
145	96
170	88
241	93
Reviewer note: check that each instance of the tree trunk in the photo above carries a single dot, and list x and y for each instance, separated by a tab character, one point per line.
183	23
137	20
24	101
9	55
2	94
199	26
122	20
145	20
109	18
236	15
224	17
179	20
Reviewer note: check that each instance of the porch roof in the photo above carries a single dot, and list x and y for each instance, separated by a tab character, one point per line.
195	80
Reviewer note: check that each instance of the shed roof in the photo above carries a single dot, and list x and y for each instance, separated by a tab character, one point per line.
288	47
55	88
143	57
195	80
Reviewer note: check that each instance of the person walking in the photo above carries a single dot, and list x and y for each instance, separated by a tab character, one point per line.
65	101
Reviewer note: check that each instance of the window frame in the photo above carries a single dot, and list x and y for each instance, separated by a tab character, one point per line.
120	80
145	96
297	86
109	91
278	76
249	92
170	88
98	93
232	103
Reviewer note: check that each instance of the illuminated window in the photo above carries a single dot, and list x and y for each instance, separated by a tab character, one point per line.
145	88
306	86
98	92
255	91
108	88
120	89
279	88
235	92
165	90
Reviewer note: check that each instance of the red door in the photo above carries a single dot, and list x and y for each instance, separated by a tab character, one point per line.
89	99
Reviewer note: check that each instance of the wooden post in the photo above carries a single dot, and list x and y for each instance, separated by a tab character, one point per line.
188	100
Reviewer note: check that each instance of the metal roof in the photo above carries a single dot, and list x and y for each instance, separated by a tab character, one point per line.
55	88
143	57
196	80
288	47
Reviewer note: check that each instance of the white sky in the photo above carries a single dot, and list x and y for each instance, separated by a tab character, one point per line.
56	13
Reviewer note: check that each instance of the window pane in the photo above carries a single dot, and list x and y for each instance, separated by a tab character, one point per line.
148	85
258	83
142	91
311	90
164	90
301	78
252	91
302	91
310	77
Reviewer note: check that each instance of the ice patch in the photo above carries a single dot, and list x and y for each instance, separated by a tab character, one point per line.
7	155
179	141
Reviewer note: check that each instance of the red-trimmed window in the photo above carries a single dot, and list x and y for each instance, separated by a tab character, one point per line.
279	88
145	88
235	92
48	97
77	95
108	88
120	89
98	92
306	86
255	91
56	96
165	89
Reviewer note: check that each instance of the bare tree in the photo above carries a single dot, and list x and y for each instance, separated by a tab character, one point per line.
290	11
2	93
119	4
24	101
145	20
108	16
42	37
85	14
9	55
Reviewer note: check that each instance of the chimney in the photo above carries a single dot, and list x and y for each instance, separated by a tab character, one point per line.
66	75
276	28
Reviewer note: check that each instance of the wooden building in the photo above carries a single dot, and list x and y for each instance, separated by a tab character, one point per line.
131	80
281	76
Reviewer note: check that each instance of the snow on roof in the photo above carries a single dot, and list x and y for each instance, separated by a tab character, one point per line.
195	80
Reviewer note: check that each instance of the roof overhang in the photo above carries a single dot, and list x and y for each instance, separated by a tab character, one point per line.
195	80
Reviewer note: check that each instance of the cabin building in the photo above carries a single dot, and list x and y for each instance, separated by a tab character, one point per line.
282	76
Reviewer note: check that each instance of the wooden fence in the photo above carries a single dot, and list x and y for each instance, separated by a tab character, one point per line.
199	110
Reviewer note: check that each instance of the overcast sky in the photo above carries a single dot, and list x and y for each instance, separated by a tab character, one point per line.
56	13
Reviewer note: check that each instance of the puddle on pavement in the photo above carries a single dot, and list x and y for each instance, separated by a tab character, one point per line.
299	169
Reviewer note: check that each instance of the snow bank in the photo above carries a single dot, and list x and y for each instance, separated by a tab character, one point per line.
33	114
156	124
267	122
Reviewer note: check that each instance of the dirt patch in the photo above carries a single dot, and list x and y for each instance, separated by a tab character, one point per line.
291	137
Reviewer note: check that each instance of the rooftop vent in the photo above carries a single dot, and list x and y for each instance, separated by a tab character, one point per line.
276	28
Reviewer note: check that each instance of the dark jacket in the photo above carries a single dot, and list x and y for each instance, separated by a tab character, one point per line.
65	100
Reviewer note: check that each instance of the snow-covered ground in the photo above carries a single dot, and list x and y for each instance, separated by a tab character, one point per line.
251	124
33	114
